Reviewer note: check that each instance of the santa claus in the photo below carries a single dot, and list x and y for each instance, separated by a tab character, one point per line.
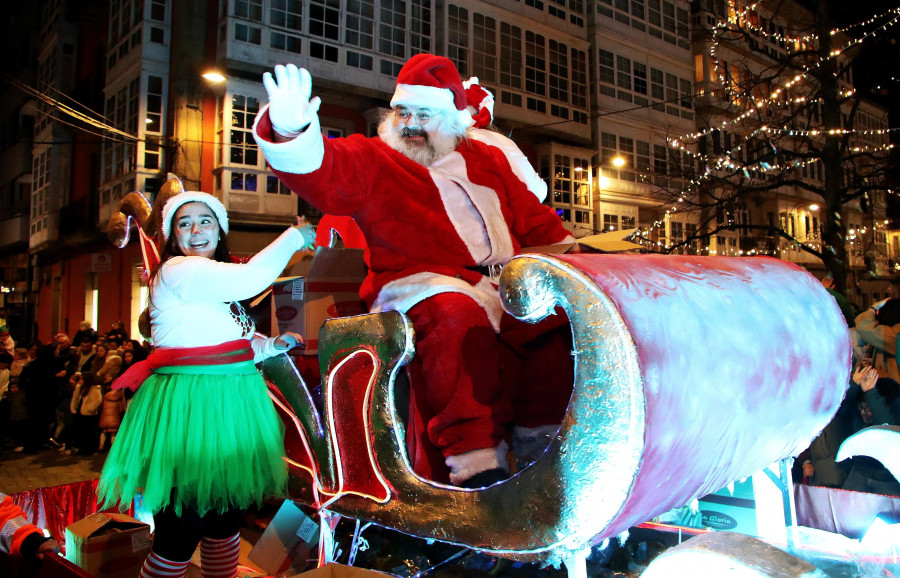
441	214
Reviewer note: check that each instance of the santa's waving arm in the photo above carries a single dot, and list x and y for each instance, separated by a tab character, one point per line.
290	136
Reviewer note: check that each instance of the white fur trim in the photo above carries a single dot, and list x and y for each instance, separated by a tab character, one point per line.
464	466
472	80
517	160
300	156
465	118
186	197
450	176
402	294
423	96
486	102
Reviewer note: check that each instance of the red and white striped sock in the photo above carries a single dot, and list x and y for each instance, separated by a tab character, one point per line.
219	558
156	566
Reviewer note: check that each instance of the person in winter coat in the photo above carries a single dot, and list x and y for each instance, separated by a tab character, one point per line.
85	407
111	413
39	383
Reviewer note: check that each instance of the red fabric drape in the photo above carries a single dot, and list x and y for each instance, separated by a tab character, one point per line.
56	507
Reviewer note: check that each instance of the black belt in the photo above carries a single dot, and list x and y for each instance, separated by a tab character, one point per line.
492	271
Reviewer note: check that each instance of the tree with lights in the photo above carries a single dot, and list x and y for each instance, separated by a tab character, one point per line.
789	154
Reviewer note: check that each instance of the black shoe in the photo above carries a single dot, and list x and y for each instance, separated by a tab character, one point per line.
485	479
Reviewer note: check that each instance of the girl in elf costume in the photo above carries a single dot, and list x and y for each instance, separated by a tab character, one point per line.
201	440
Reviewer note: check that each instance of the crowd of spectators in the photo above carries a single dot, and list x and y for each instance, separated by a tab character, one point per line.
59	395
872	398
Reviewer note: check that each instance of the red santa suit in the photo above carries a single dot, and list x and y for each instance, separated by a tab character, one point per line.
427	229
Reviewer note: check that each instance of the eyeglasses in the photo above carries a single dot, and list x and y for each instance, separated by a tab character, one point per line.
422	115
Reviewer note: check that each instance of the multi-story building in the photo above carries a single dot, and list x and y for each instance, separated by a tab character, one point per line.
642	96
762	102
592	93
17	110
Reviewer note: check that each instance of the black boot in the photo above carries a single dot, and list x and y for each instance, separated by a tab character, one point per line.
485	479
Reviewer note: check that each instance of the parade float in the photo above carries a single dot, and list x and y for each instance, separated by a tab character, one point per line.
691	374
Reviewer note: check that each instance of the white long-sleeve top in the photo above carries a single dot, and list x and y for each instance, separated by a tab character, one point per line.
190	297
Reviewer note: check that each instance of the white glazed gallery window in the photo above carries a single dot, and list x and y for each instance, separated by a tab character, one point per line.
243	149
248	34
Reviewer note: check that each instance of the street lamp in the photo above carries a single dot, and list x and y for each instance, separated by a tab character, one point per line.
213	76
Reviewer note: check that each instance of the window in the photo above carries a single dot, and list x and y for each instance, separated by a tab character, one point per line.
357	60
676	231
510	98
686	93
243	150
458	38
157	10
606	63
484	49
249	34
660	160
642	157
559	72
243	182
420	26
285	42
392	29
626	151
579	79
324	19
288	14
640	78
510	56
562	183
323	51
275	187
535	64
672	96
536	105
248	10
623	76
657	89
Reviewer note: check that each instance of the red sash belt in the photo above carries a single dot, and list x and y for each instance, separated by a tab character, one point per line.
228	352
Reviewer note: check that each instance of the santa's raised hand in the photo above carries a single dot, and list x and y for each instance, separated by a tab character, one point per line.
290	107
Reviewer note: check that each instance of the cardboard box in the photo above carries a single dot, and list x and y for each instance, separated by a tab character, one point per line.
341	571
286	545
108	544
329	289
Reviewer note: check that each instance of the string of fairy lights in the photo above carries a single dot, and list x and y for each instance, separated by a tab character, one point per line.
742	21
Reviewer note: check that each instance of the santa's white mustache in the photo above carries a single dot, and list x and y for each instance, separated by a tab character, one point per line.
413	132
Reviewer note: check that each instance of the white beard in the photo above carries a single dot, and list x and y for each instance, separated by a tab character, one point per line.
437	144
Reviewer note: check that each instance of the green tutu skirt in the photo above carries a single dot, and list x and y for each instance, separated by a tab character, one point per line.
197	439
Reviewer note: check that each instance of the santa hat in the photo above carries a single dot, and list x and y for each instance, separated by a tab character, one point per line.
180	199
480	102
429	81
